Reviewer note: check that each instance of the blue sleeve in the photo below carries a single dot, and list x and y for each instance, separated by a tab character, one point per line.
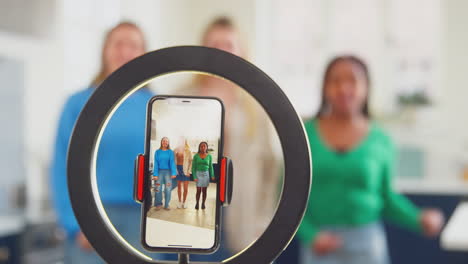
155	164
172	164
58	173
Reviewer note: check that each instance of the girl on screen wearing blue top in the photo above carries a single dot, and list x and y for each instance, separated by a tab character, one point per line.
163	173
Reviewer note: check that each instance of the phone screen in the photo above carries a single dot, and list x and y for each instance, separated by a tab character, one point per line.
184	148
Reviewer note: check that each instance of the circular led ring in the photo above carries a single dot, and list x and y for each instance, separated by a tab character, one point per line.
90	125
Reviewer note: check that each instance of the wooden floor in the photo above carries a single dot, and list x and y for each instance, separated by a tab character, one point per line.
189	216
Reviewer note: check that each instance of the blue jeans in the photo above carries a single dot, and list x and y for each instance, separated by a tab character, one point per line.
364	244
126	219
164	182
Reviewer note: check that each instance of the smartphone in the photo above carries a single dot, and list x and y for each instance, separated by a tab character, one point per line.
181	210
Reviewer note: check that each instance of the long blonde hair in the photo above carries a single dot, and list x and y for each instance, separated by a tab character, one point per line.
187	147
248	103
104	69
224	23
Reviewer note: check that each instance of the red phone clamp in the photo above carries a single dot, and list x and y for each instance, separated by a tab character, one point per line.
226	181
139	178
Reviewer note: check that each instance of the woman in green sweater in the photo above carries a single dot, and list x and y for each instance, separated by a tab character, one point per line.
351	192
202	171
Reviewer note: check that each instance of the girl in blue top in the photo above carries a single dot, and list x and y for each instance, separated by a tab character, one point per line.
122	139
163	172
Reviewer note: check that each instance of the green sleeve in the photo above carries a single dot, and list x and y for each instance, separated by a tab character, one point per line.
211	168
194	167
397	208
307	231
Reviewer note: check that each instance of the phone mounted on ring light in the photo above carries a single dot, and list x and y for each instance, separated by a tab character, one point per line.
142	174
82	156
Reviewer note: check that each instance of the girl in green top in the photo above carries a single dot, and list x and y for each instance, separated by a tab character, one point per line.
202	171
352	170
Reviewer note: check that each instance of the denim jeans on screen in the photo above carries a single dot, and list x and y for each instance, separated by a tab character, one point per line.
163	184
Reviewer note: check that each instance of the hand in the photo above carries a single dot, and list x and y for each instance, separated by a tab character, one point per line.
326	243
155	178
196	180
213	179
173	177
83	242
431	221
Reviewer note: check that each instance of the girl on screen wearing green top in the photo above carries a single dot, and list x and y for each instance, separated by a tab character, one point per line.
202	171
351	192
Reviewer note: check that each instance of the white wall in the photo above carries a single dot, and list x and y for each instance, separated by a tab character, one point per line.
39	16
455	61
441	130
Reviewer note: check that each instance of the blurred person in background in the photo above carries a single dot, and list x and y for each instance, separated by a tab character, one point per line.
122	140
353	160
247	128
